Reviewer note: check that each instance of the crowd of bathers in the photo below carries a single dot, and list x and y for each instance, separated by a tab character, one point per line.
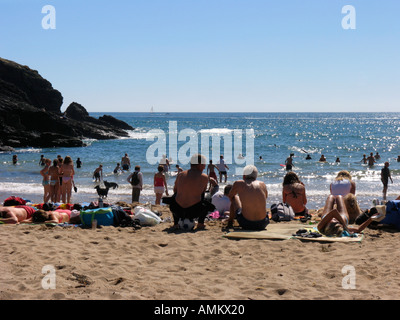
243	201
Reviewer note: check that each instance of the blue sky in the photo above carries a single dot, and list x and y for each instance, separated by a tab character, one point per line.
211	55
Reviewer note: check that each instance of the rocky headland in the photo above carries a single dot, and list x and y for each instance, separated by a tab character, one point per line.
30	114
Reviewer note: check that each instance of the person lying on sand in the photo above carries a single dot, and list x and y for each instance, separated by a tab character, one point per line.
16	215
248	201
57	216
336	220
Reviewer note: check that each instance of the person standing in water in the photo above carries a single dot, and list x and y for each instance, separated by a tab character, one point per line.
385	176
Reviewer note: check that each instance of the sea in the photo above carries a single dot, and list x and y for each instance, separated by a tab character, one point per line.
262	139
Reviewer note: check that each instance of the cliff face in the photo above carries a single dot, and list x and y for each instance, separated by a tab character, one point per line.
30	114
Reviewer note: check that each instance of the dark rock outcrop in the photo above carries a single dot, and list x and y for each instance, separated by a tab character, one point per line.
30	114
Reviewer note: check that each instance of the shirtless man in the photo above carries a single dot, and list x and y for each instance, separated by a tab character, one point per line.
385	176
211	172
15	215
248	201
371	159
289	162
98	173
125	162
190	186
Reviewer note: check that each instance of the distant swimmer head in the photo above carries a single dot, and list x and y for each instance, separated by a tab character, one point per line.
250	172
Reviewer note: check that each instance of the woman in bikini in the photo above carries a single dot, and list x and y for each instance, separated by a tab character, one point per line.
294	194
54	172
57	216
68	172
344	186
335	221
46	180
160	184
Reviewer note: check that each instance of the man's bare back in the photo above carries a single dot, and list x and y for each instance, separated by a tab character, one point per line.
189	186
253	198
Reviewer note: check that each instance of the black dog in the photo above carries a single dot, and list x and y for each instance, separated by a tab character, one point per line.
110	185
102	192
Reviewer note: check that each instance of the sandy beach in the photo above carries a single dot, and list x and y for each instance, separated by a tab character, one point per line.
155	263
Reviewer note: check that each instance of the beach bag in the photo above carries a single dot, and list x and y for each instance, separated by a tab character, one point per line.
282	212
146	216
14	201
392	216
104	216
121	217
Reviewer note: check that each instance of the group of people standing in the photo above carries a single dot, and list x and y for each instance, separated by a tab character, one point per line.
57	179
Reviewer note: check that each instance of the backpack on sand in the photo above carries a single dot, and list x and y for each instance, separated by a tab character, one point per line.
282	212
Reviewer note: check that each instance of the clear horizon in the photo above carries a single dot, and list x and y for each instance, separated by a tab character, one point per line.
211	56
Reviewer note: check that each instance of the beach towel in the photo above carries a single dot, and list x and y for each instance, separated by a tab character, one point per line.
288	231
274	231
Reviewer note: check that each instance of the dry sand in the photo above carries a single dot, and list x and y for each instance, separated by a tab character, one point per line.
154	263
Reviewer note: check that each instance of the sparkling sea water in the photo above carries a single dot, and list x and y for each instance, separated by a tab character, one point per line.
276	135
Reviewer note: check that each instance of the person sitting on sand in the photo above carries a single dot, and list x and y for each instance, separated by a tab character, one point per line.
221	201
16	215
294	194
248	201
342	185
189	190
346	187
335	221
